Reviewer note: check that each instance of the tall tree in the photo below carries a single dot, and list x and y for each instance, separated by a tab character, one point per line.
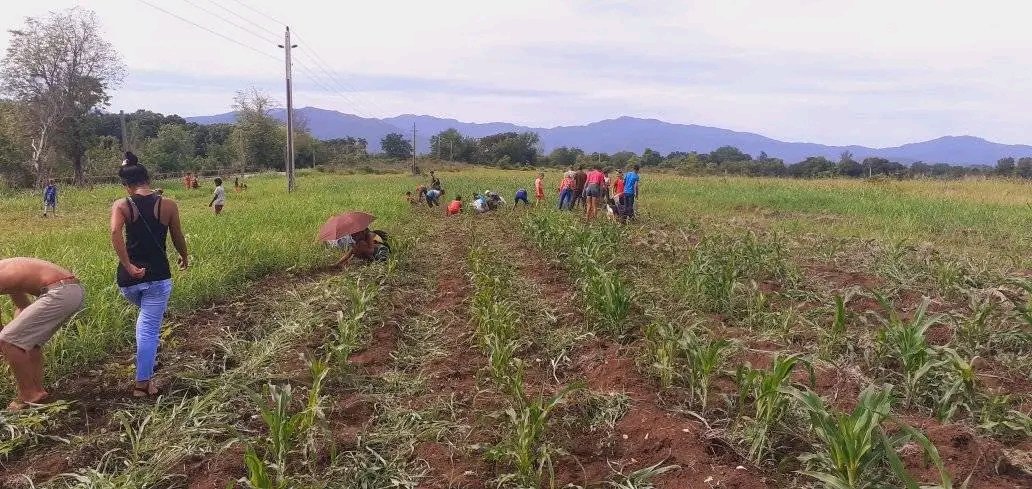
172	150
257	136
564	156
1005	166
396	146
61	69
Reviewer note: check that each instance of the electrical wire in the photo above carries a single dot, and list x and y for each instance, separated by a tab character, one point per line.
230	22
188	21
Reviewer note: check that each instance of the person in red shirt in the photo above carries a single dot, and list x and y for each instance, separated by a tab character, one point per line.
539	189
593	184
618	187
455	207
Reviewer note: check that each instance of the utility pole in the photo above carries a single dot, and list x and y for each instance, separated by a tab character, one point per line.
121	118
290	111
413	148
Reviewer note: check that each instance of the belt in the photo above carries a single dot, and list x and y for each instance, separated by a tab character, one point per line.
58	283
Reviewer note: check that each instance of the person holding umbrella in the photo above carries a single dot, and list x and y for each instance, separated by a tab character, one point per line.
350	232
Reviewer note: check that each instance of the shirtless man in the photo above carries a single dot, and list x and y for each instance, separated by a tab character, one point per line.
58	297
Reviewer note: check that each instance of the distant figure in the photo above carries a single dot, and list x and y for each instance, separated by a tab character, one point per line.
539	190
594	182
421	193
59	295
433	197
493	200
239	186
411	199
479	204
579	181
630	191
50	198
189	181
566	193
140	225
218	197
455	207
435	183
521	196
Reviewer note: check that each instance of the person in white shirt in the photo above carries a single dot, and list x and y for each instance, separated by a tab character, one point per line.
218	198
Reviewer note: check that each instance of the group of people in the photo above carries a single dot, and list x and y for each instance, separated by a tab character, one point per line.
140	226
594	190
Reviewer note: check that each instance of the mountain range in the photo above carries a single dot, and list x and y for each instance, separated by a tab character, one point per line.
634	134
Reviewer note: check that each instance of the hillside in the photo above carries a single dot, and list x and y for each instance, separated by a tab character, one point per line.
634	134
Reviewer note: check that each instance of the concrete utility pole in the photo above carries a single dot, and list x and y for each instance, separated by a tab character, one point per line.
413	148
290	111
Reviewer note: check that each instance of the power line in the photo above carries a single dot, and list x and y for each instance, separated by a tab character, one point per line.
188	21
230	22
337	88
318	61
245	19
259	12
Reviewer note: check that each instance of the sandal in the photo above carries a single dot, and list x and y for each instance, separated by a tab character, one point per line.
148	390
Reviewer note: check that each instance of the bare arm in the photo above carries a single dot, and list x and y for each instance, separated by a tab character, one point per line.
175	227
344	259
117	225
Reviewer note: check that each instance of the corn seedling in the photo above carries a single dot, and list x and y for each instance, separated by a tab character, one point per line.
762	395
999	418
853	451
662	347
702	359
523	449
638	479
25	427
903	342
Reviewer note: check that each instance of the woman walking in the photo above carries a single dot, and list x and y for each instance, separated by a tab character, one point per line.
144	277
595	181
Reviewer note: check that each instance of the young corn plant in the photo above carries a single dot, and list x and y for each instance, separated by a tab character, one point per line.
662	350
854	451
609	299
999	418
833	338
903	344
764	400
524	448
702	358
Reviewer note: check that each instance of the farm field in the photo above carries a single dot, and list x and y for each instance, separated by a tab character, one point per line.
741	333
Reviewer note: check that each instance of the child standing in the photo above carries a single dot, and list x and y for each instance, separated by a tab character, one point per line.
539	189
566	193
50	198
218	198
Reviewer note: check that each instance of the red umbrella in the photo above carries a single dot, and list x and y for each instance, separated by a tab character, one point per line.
344	224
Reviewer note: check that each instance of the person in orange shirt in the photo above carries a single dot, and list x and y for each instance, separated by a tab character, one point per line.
455	207
566	193
188	180
539	189
618	187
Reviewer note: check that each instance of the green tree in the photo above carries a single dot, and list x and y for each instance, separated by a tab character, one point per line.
60	68
258	138
622	159
847	166
1005	166
172	150
651	158
1024	167
564	156
396	146
726	154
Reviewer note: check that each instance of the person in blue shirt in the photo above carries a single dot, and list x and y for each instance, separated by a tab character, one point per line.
630	190
50	198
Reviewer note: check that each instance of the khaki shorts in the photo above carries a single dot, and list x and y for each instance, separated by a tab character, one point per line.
38	322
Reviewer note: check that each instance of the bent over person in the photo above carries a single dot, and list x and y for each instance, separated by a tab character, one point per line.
59	295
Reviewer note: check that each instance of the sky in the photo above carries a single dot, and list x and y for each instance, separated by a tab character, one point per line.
874	72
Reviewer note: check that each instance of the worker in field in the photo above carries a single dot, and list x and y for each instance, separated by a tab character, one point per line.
189	181
594	183
218	197
435	183
580	179
630	190
433	197
539	190
59	295
50	198
566	192
140	225
521	197
455	207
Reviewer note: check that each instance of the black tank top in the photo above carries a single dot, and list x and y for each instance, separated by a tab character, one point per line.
145	237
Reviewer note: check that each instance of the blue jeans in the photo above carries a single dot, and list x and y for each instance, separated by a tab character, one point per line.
629	203
152	299
566	199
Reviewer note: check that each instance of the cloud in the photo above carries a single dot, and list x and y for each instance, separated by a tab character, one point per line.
874	72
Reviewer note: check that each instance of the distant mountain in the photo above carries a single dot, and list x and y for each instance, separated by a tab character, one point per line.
634	134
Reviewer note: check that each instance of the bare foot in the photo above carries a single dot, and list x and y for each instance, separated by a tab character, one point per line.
19	404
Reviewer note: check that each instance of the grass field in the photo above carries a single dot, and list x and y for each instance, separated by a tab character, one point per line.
741	333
